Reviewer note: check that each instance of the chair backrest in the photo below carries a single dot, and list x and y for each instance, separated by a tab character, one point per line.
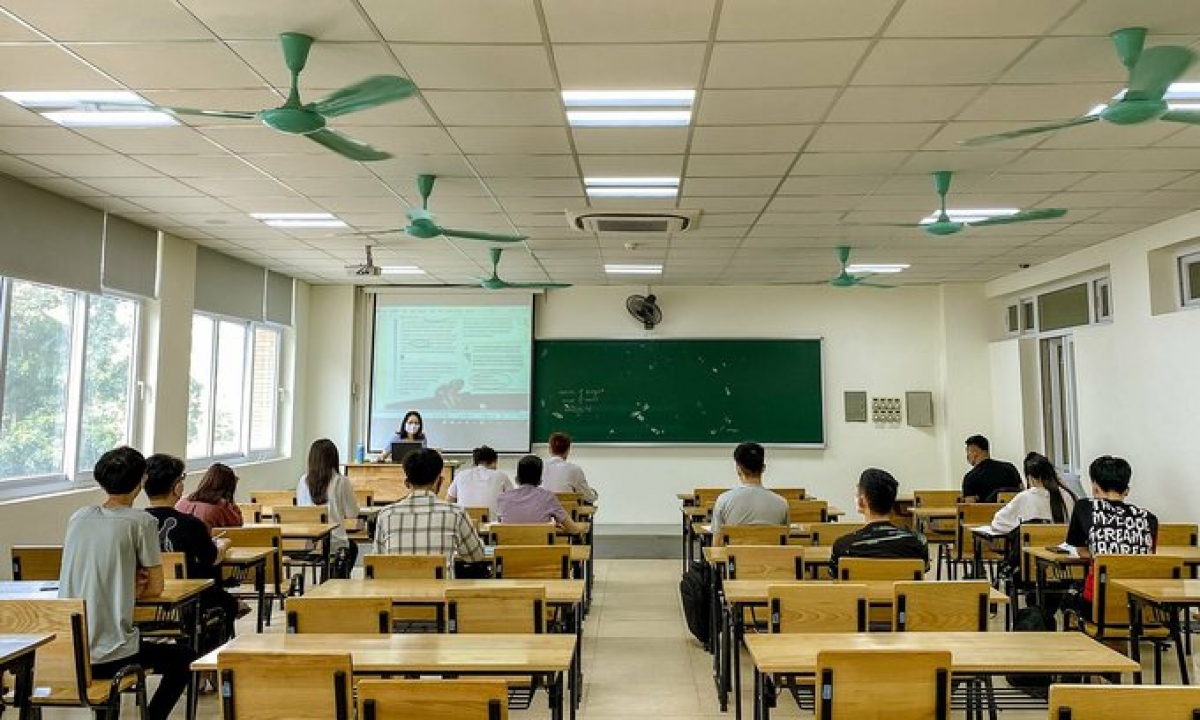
973	515
827	533
479	515
301	514
1037	535
364	498
273	497
404	567
251	512
705	497
550	562
64	662
753	535
818	607
261	536
789	493
1101	702
936	498
496	610
853	568
897	684
765	562
1004	496
174	565
941	606
1177	533
568	498
285	685
362	615
469	699
523	533
1110	604
36	562
808	511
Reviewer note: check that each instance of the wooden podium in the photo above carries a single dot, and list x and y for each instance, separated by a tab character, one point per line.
386	480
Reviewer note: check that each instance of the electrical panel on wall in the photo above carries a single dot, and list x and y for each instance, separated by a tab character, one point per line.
886	410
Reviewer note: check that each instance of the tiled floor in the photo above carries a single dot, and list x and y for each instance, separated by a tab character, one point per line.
639	659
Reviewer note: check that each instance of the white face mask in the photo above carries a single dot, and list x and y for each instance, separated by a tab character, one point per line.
411	428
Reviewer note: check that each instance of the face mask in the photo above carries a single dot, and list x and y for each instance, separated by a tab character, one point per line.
411	428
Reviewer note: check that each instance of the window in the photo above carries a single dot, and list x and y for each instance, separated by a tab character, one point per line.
1063	308
1101	300
1013	320
234	383
108	377
1189	279
1028	316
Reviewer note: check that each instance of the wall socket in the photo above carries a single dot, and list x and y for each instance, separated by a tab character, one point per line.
886	410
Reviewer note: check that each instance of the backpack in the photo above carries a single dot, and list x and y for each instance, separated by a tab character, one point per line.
1032	619
695	589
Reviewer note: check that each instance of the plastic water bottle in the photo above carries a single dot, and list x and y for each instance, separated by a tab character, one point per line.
360	453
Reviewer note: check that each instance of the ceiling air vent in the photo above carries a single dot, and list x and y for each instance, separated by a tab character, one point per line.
674	221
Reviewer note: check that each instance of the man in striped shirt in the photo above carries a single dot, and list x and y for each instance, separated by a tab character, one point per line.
421	524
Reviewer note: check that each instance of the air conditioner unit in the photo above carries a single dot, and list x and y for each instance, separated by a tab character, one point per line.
616	221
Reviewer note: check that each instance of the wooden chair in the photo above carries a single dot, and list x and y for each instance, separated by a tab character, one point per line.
960	606
472	699
285	685
285	514
364	498
63	667
753	535
36	562
278	584
363	615
533	561
765	562
1004	496
478	515
853	568
1034	535
523	533
1110	604
827	533
496	610
251	512
1101	702
569	498
789	493
404	567
174	565
273	497
1178	534
892	684
817	607
939	533
808	511
302	554
973	515
705	497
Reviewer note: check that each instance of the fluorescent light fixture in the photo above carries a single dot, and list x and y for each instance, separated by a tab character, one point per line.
63	99
629	98
876	267
400	270
632	192
629	118
633	269
103	118
299	220
293	216
969	216
1177	91
93	108
631	181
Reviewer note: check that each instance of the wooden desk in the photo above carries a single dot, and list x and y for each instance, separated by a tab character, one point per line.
1172	596
429	654
175	592
485	529
16	657
985	653
385	480
252	559
310	534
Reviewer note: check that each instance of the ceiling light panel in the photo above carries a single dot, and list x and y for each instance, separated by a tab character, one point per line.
619	269
629	108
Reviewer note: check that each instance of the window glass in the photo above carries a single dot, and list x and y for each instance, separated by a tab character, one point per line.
108	379
228	399
264	382
1063	308
1189	270
1014	324
200	387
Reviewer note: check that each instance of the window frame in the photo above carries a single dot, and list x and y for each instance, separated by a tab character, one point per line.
1189	297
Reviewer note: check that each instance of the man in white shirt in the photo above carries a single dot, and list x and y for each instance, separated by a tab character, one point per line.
560	476
749	503
482	485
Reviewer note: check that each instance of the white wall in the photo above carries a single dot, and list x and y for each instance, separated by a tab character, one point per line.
1138	377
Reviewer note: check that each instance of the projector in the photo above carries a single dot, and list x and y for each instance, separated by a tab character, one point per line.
364	271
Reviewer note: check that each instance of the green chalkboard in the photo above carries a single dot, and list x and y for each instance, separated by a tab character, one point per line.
679	391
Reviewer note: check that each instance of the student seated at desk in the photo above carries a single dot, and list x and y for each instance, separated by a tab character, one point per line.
213	500
750	503
530	503
482	485
560	475
110	559
1045	500
324	485
179	532
987	477
875	496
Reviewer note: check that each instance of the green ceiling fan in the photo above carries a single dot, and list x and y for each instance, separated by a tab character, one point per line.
495	282
421	224
943	225
844	279
1151	73
309	119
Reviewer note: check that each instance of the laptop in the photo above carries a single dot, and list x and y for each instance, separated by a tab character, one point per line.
404	447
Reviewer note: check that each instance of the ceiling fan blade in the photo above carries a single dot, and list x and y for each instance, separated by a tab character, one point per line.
370	233
477	235
549	286
1024	216
1156	69
891	225
364	95
1034	130
880	286
346	146
1190	117
126	107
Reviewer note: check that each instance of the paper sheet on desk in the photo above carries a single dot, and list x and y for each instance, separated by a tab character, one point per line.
1069	549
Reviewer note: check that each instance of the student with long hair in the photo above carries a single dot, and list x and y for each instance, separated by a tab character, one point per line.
213	500
1045	498
323	484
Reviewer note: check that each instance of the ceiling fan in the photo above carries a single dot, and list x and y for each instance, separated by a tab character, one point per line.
495	282
365	269
844	279
309	119
943	225
421	224
1151	73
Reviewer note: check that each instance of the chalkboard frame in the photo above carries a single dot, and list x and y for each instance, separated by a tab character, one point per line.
820	340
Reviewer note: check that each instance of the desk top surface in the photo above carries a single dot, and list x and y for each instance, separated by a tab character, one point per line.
812	553
174	591
246	555
413	652
15	645
485	528
978	652
1190	554
1164	591
935	511
299	531
434	591
879	592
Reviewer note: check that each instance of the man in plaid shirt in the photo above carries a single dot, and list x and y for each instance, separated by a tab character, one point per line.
421	524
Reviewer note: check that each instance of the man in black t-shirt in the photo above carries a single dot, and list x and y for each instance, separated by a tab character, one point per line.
183	533
876	495
987	476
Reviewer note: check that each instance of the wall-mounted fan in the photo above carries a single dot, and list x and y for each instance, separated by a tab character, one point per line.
1151	73
421	224
365	269
309	119
943	225
644	309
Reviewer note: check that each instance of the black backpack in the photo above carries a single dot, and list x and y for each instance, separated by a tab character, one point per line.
695	588
1032	619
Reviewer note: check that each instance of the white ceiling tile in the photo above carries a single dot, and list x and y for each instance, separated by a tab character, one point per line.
848	163
506	187
170	141
329	66
951	136
1066	161
45	67
256	186
181	204
938	61
1100	17
1158	158
534	140
1107	181
496	108
330	20
47	140
661	141
1092	199
840	137
629	67
746	204
278	204
847	185
733	165
525	165
632	165
1070	60
349	187
763	107
627	21
163	65
532	204
470	21
729	186
257	138
199	166
1032	182
92	166
790	20
749	139
144	187
783	64
1105	135
1036	104
325	165
476	67
819	203
403	169
403	141
958	159
980	18
65	187
907	104
109	20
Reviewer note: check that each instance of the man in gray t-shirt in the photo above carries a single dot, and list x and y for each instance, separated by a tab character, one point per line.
750	503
